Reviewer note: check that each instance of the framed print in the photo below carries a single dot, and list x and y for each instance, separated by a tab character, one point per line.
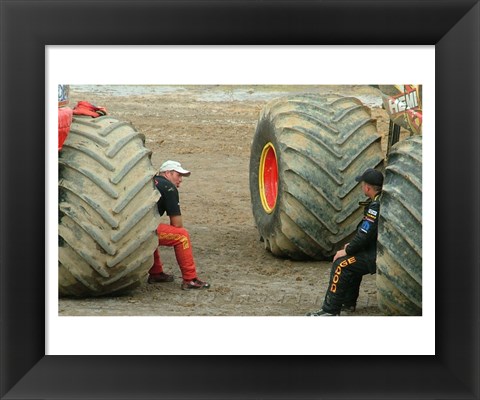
236	263
28	371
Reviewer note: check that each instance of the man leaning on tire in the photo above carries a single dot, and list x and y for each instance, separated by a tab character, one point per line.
174	234
358	257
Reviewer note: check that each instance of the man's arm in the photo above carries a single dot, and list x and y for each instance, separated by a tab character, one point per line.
176	221
367	231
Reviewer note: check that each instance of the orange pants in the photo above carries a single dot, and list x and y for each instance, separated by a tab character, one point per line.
179	238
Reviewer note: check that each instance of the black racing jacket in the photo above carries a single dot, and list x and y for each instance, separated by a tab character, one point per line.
365	239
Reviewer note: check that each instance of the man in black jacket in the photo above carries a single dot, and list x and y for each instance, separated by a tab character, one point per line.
358	257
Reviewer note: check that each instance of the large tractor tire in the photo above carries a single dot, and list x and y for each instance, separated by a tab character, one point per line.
399	256
306	152
107	208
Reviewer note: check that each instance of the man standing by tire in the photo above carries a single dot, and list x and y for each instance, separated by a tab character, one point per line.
174	234
358	257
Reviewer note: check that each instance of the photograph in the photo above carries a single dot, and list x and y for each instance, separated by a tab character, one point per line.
280	188
108	291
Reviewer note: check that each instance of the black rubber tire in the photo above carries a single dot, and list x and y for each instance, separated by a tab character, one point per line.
322	143
399	253
107	208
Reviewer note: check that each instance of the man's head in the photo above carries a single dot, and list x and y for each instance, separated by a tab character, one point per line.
173	171
372	182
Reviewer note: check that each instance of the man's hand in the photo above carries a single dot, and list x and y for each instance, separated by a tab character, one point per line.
340	253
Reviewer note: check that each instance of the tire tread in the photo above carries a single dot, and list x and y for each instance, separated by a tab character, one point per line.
107	208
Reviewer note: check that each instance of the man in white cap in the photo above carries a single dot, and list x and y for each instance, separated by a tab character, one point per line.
174	234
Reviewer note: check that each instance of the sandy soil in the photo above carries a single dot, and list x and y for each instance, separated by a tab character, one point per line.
209	129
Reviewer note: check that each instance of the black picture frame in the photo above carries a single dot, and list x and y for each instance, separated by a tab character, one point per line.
28	26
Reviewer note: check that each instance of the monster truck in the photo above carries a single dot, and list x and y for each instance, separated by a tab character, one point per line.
307	151
399	257
107	202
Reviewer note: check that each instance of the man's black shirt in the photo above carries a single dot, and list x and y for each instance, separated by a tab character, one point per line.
169	201
365	239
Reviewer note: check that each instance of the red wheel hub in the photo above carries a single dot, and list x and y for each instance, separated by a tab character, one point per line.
268	178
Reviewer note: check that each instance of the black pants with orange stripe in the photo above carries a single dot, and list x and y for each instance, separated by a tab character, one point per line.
345	279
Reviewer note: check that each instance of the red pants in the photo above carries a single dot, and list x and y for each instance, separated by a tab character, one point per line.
179	238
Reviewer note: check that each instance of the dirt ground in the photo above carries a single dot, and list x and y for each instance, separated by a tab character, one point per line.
209	129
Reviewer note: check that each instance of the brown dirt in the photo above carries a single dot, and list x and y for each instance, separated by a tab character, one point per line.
209	129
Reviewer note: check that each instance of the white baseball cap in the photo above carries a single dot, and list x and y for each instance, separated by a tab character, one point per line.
174	166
